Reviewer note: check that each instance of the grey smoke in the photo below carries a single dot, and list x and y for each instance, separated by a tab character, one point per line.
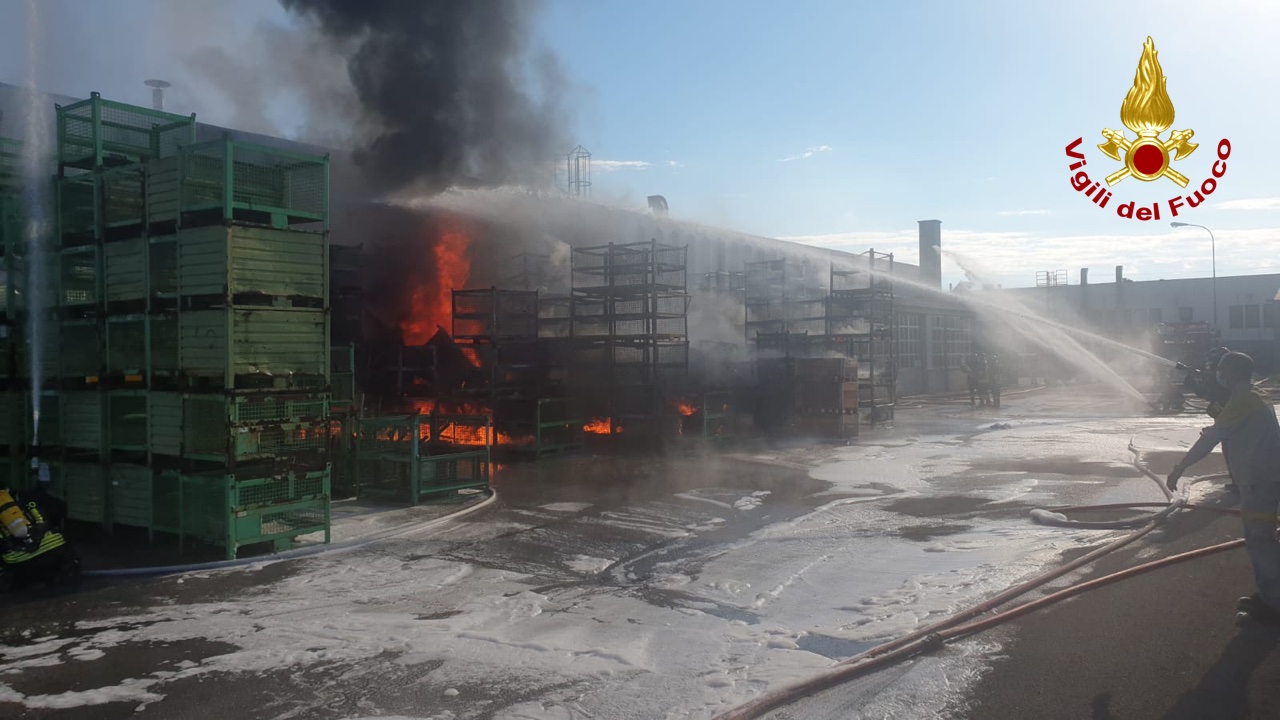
267	68
452	93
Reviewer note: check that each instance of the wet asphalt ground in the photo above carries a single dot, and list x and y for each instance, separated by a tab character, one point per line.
517	534
620	508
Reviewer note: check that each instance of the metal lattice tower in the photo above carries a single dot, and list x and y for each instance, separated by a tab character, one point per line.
579	172
1051	278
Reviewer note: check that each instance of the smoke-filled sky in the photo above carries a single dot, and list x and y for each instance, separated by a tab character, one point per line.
839	123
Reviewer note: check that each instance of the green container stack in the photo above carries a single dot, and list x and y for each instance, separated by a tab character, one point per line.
14	422
191	296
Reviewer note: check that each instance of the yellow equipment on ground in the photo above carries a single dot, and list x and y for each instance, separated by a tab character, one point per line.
13	521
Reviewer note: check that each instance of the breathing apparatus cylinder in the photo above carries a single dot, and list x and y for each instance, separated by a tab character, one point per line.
12	518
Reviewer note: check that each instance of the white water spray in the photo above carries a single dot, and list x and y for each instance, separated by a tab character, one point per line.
1018	309
554	215
38	151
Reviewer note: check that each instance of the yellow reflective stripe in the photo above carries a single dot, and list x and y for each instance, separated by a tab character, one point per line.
50	541
1258	516
1240	407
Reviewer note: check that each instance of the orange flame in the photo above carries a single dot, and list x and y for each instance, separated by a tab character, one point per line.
600	426
469	434
431	301
686	408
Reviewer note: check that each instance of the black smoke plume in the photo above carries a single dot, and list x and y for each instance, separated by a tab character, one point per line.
453	90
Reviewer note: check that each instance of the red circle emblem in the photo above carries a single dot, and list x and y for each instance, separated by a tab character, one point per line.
1148	160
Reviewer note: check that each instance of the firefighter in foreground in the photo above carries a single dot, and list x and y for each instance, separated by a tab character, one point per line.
1204	384
32	547
1247	426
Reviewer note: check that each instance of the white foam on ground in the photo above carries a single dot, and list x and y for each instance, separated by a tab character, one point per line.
446	715
589	565
741	612
699	498
565	507
131	690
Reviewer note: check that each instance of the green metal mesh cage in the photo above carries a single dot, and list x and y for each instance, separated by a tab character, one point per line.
286	488
235	512
78	208
233	176
81	419
343	376
15	425
85	487
295	520
269	408
10	164
127	345
80	273
127	420
166	515
123	197
98	132
203	511
81	352
50	418
132	495
285	438
411	457
557	427
214	429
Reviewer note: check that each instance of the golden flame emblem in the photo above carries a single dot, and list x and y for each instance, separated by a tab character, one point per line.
1147	111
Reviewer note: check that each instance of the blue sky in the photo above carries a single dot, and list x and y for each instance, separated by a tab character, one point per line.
842	123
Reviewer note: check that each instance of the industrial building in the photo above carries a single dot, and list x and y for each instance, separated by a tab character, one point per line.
1241	312
229	339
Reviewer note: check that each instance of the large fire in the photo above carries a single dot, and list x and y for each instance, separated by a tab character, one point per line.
470	432
431	301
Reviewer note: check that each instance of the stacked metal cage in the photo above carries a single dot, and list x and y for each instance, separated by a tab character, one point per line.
629	330
15	422
778	298
789	316
860	324
191	307
499	332
423	456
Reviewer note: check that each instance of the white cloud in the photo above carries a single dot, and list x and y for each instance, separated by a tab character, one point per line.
675	164
1268	203
807	153
1008	213
611	165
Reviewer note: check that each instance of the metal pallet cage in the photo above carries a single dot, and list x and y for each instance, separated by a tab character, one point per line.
97	132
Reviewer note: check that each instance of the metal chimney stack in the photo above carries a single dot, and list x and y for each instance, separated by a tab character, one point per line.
658	205
157	92
931	252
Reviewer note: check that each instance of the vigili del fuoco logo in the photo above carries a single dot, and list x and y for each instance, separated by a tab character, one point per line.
1148	112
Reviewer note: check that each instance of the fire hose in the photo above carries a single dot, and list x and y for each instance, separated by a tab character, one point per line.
967	622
